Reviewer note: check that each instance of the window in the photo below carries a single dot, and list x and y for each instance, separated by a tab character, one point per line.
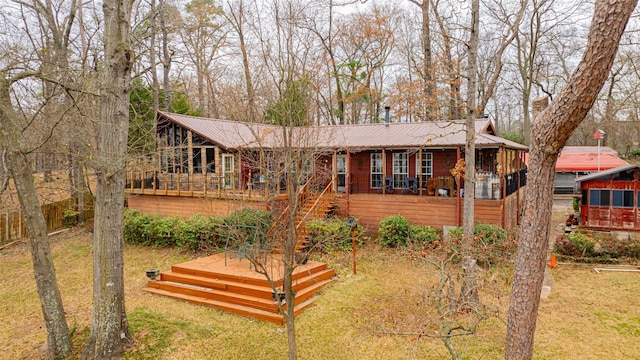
427	166
623	198
376	170
584	197
400	169
600	197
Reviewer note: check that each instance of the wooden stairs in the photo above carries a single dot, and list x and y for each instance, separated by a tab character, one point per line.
232	285
315	207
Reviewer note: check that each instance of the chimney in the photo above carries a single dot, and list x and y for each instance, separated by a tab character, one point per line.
386	115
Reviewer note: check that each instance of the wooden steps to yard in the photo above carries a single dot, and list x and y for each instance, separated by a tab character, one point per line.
232	285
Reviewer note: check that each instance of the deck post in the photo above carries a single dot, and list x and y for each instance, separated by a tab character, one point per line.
503	182
419	157
347	185
458	188
384	172
334	170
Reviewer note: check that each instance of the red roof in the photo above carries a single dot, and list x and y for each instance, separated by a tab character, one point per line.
587	162
585	159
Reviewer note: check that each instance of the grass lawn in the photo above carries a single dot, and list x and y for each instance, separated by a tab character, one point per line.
374	315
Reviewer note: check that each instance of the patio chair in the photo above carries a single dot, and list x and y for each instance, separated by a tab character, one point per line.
388	185
410	184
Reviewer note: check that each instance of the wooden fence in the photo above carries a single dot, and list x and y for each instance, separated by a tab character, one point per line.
12	226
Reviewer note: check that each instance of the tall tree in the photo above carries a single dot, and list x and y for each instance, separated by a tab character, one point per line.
428	85
469	290
550	130
202	35
109	325
15	148
237	17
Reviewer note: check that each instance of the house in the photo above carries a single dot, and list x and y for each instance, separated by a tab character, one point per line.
610	199
576	161
373	171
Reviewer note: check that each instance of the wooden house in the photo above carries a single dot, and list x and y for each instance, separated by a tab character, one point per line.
610	199
372	171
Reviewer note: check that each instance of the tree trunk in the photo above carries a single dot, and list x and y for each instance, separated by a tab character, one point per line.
468	292
109	326
58	343
550	131
166	60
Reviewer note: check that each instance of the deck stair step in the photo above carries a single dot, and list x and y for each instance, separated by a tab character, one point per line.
229	285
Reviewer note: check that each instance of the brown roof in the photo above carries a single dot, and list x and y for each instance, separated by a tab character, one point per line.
233	134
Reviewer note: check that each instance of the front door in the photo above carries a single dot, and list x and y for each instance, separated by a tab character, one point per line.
227	171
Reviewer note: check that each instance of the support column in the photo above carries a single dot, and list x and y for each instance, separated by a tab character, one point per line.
419	157
334	171
458	188
384	172
347	185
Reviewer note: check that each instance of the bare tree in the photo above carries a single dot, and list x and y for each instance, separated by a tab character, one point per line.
109	325
203	35
550	131
13	145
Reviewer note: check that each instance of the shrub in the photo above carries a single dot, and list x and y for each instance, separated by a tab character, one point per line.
576	205
423	234
333	233
245	226
575	245
149	230
199	233
394	231
491	243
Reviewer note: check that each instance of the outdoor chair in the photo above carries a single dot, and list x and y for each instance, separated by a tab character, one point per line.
410	184
388	185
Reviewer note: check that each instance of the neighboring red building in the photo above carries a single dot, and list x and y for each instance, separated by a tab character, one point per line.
610	199
576	161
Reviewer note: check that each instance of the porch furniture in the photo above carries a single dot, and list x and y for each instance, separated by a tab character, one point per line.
444	185
388	185
410	185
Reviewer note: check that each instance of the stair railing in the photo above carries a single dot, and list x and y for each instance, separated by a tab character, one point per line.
315	204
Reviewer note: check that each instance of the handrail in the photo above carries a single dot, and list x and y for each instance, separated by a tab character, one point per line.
315	203
287	209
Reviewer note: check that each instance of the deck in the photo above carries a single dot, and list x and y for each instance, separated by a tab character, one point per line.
231	284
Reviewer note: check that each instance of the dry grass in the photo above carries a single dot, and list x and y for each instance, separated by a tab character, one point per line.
587	316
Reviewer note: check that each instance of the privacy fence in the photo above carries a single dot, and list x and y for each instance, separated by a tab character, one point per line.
59	215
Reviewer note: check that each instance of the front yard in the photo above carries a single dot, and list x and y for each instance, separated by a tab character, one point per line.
380	313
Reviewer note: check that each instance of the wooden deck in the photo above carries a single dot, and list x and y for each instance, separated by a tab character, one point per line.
233	285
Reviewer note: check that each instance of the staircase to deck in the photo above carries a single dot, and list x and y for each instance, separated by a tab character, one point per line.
317	206
233	285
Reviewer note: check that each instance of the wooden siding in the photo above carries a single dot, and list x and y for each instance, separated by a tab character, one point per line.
611	217
186	207
437	212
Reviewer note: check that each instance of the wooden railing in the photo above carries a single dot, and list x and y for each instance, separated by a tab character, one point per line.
315	204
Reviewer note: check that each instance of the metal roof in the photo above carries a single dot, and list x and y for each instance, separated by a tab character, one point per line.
235	135
606	174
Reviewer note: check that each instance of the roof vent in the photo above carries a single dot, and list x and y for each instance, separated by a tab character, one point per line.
386	115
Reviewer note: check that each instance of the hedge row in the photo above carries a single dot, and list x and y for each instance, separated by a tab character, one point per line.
199	232
581	248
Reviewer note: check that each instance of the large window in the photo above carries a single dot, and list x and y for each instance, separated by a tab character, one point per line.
600	197
400	169
376	170
623	198
427	166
